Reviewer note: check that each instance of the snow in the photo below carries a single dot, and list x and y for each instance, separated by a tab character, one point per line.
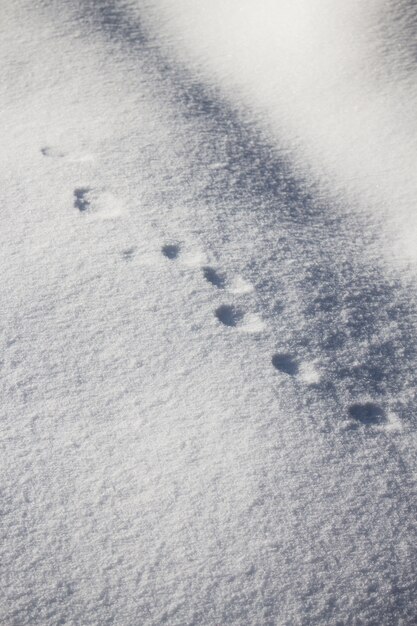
333	82
208	352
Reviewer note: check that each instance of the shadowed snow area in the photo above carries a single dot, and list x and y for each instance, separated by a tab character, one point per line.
285	363
208	348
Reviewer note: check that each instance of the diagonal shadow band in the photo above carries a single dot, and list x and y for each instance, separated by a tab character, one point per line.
349	312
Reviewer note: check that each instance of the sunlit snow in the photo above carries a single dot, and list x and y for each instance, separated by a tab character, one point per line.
208	340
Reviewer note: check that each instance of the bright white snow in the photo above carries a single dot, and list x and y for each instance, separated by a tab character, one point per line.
333	82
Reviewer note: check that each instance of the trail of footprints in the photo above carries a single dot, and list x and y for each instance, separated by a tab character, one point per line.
233	316
230	315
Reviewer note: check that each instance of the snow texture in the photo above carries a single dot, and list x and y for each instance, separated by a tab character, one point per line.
208	341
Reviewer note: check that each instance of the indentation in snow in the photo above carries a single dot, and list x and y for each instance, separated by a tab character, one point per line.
213	277
129	253
171	251
285	363
229	315
51	151
61	153
100	204
367	413
81	201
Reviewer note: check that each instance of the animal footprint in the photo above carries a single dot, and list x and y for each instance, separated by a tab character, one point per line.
229	315
129	253
284	362
101	204
306	371
171	251
237	286
233	316
81	200
73	157
367	413
214	277
51	151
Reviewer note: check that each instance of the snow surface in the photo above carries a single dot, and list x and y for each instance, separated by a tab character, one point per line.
334	82
208	345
